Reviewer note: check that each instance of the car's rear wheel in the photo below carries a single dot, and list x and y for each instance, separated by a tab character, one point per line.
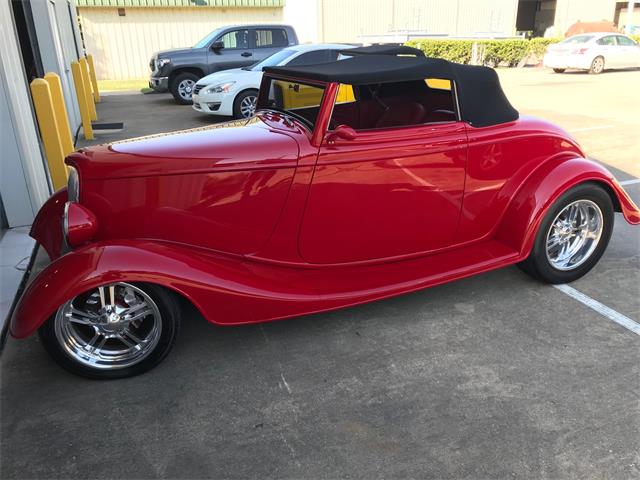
182	87
597	65
113	331
244	106
559	70
573	235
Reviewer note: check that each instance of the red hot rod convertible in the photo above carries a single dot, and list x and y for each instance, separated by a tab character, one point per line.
379	174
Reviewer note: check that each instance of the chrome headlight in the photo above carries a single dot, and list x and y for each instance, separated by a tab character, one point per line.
220	88
73	185
161	62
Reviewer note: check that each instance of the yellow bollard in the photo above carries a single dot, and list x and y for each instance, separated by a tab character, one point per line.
49	131
84	70
94	79
60	111
82	100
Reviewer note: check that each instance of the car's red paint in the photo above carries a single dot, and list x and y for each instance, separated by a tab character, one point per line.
47	226
389	192
261	219
232	291
81	224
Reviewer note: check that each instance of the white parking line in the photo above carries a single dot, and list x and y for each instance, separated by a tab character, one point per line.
586	129
630	182
611	314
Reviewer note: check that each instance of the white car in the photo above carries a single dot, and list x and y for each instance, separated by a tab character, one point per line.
593	52
234	92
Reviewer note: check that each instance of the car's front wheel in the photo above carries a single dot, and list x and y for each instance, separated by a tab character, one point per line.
559	70
113	331
244	106
573	235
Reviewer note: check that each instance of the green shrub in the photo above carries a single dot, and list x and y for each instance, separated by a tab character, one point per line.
458	51
538	46
498	52
491	52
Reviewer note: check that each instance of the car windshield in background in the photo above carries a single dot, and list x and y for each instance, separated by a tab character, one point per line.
577	39
206	40
300	100
272	60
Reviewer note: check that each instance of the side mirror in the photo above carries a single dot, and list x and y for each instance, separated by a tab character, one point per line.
344	132
219	45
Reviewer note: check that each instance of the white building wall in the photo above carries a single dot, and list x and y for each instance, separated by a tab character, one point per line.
353	20
123	46
23	177
570	11
58	47
304	16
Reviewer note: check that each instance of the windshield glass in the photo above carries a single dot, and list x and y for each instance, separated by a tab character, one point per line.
206	40
300	100
578	39
272	60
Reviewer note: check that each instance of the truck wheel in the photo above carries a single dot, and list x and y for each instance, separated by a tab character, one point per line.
113	331
182	87
572	236
597	65
559	70
244	106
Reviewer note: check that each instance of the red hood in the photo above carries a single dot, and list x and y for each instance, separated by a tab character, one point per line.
239	145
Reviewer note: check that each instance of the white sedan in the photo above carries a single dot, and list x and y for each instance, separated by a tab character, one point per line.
593	52
234	92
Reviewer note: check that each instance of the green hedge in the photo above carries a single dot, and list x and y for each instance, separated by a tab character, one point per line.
492	52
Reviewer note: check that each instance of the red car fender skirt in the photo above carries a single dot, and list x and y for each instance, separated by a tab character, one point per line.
233	290
528	207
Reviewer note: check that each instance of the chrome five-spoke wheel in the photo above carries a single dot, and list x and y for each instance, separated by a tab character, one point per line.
114	330
110	327
574	235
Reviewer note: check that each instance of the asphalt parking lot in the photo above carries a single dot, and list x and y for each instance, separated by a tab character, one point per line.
494	376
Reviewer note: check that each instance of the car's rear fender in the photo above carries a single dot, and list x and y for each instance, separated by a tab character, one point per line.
540	191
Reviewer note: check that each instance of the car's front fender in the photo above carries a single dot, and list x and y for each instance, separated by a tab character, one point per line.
519	225
195	276
47	226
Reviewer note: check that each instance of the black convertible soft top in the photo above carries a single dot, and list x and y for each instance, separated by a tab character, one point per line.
482	101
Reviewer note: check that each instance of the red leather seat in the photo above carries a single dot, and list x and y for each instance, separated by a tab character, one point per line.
401	114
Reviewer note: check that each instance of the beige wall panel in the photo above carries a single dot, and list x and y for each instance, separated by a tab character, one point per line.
570	11
350	20
122	46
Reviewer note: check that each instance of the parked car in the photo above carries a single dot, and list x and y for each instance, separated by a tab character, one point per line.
311	205
228	47
234	92
593	52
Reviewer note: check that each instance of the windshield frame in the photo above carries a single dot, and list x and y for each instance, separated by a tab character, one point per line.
327	97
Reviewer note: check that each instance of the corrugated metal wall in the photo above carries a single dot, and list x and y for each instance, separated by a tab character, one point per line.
122	46
348	20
